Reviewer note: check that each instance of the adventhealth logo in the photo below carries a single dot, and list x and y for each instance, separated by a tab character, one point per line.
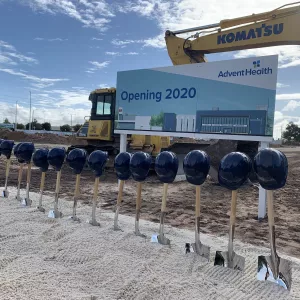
257	70
252	33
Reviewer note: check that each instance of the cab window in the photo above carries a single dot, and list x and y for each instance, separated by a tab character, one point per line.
104	105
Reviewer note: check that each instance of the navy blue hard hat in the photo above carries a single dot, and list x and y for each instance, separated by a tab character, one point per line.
271	168
56	157
121	165
6	147
166	166
25	151
16	153
196	165
76	159
1	140
40	159
97	160
140	163
234	170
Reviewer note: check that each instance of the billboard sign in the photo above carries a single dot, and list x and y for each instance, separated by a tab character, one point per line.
232	97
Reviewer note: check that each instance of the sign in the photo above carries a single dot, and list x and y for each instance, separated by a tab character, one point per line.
232	97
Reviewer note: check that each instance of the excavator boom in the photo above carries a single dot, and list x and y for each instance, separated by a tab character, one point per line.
273	28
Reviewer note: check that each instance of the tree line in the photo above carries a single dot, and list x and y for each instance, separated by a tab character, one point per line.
35	125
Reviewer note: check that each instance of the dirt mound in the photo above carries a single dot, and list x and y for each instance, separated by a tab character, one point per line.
49	138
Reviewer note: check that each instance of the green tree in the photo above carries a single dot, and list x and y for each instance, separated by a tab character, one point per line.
34	125
157	120
20	126
46	126
76	127
292	132
6	121
65	127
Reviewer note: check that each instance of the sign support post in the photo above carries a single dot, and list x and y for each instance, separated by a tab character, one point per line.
123	146
262	196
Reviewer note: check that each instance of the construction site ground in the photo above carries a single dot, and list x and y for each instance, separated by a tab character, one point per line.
215	201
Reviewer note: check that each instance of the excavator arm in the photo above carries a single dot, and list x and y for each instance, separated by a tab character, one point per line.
277	27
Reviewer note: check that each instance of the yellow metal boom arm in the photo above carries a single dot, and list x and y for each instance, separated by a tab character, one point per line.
277	27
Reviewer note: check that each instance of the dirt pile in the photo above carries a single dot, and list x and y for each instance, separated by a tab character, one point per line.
49	138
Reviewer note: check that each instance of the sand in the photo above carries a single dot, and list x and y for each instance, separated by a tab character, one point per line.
44	258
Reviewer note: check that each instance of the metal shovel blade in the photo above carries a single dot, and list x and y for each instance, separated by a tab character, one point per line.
236	262
163	240
201	250
267	271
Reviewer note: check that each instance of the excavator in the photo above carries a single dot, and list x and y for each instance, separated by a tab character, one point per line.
272	28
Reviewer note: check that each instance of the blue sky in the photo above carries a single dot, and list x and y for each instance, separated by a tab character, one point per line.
60	50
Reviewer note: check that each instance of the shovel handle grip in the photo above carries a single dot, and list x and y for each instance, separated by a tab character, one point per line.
120	194
197	207
233	207
42	181
164	198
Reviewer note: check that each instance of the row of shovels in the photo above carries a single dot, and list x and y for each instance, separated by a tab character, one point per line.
270	166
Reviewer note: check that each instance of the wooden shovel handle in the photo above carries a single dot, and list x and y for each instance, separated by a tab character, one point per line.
233	207
96	187
270	208
28	173
120	194
164	198
7	167
58	182
42	181
197	207
77	189
139	196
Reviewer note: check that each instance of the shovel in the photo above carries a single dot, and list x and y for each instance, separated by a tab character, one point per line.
161	238
229	258
55	213
40	207
26	201
76	195
274	268
5	192
119	200
138	209
198	247
95	196
18	197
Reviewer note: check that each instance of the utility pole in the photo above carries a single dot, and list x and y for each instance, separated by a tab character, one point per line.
16	115
30	110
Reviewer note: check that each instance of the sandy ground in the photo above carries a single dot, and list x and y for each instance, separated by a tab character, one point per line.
215	202
44	258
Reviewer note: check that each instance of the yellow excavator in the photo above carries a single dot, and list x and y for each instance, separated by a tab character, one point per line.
272	28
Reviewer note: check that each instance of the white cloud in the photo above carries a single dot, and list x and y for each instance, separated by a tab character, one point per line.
50	40
291	106
288	56
294	96
282	85
112	53
39	82
117	42
10	56
96	39
281	121
176	15
132	53
93	14
97	66
103	86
